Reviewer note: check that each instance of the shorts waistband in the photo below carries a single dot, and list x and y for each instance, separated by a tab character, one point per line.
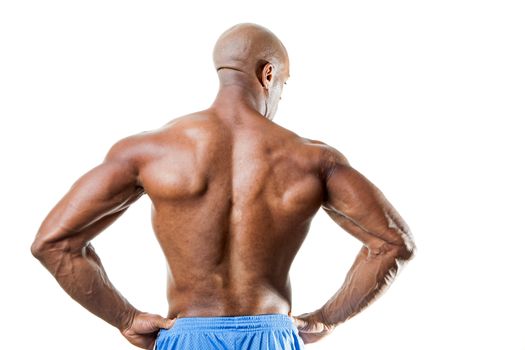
237	323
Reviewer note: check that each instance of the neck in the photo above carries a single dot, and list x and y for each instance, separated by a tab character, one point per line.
237	92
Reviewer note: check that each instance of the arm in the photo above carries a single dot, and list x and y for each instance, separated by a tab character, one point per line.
63	246
362	210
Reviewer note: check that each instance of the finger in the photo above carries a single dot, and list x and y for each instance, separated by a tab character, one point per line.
311	327
165	322
300	324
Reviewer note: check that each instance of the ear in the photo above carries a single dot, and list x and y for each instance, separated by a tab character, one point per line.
267	75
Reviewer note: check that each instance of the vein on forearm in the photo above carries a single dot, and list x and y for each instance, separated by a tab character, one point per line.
372	272
370	275
83	277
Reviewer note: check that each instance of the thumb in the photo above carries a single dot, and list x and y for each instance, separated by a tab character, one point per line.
308	325
300	324
165	323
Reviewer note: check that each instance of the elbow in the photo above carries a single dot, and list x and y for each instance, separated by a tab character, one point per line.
407	250
399	251
38	249
402	250
407	253
46	251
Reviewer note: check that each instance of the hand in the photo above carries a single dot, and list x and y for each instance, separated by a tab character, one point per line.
312	327
143	329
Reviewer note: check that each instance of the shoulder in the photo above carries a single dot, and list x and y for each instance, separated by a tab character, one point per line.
180	131
136	150
129	148
192	129
327	156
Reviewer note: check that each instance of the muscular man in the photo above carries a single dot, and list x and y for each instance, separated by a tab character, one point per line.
233	195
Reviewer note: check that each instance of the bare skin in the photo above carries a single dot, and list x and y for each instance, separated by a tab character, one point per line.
233	195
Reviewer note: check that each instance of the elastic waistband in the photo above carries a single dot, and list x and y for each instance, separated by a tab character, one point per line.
237	323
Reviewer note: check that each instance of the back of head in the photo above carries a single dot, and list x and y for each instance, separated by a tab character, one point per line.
247	47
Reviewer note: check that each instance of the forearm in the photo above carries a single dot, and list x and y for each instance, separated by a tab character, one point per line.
372	272
82	276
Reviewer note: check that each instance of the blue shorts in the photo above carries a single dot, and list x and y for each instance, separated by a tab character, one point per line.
256	332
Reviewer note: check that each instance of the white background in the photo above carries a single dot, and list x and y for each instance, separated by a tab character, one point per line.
426	98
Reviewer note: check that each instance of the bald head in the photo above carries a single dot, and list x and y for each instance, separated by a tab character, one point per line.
247	47
251	59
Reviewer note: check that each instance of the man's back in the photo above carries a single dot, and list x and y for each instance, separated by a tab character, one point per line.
233	197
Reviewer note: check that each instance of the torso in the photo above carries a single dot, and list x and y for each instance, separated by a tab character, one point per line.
231	205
